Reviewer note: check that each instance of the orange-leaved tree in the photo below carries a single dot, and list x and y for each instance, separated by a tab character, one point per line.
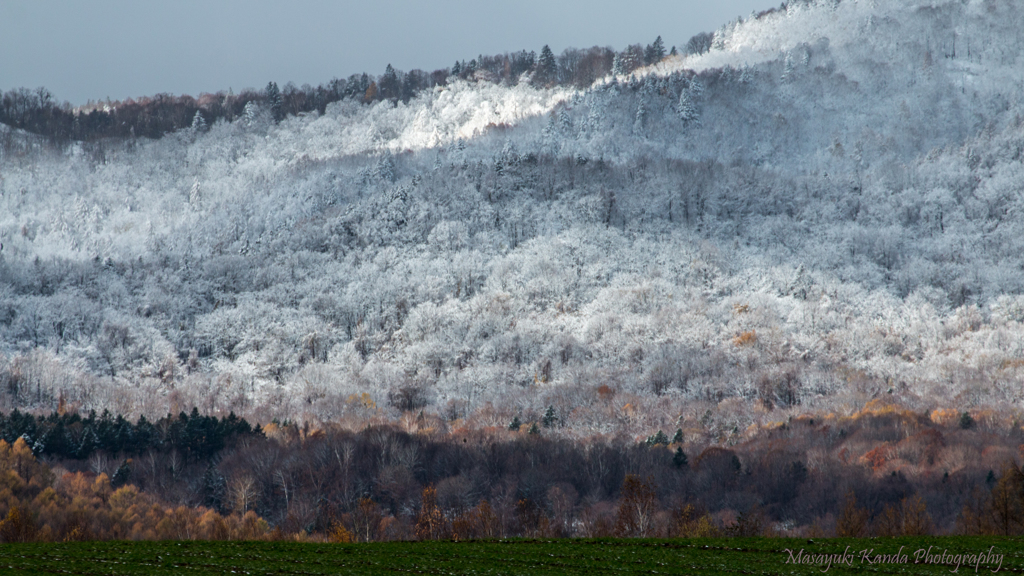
431	524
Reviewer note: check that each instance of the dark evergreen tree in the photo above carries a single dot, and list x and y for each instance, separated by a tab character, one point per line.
546	72
122	436
966	421
122	475
654	52
145	435
679	459
214	488
411	84
549	417
677	438
105	431
515	424
273	95
88	443
389	86
57	440
658	438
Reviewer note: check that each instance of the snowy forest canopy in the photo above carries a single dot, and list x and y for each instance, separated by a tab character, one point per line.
807	209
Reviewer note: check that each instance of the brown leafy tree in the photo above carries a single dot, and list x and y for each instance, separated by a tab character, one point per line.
853	520
976	516
431	524
366	520
17	526
636	508
1008	501
531	518
339	534
908	518
753	522
689	521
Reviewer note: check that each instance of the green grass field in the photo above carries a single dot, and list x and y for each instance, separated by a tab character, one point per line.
528	557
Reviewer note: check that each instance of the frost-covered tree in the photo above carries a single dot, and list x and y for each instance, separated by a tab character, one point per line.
385	167
250	112
640	117
686	108
618	65
194	194
628	60
787	67
700	43
199	123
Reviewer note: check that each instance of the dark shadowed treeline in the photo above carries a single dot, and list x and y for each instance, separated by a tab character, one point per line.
883	471
64	435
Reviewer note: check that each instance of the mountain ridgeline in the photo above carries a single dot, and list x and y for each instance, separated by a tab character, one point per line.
61	124
808	209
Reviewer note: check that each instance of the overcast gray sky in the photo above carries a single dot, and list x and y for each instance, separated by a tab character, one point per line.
128	48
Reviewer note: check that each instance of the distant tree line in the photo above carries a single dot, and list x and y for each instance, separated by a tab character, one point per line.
39	112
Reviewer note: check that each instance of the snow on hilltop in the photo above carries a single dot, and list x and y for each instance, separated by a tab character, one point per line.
436	118
975	35
776	88
823	208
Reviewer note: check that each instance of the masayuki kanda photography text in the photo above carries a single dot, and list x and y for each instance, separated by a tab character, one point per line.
987	560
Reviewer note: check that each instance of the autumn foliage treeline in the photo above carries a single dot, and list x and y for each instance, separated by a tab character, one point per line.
44	504
880	471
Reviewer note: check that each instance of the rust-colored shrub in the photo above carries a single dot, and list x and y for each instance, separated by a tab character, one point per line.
745	339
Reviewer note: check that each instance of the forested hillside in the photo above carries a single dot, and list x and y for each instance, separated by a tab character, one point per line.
808	209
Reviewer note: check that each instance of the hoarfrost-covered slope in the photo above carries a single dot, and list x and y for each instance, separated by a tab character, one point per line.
437	118
824	208
876	77
974	37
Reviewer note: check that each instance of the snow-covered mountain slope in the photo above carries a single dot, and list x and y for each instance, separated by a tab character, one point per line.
823	208
876	77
